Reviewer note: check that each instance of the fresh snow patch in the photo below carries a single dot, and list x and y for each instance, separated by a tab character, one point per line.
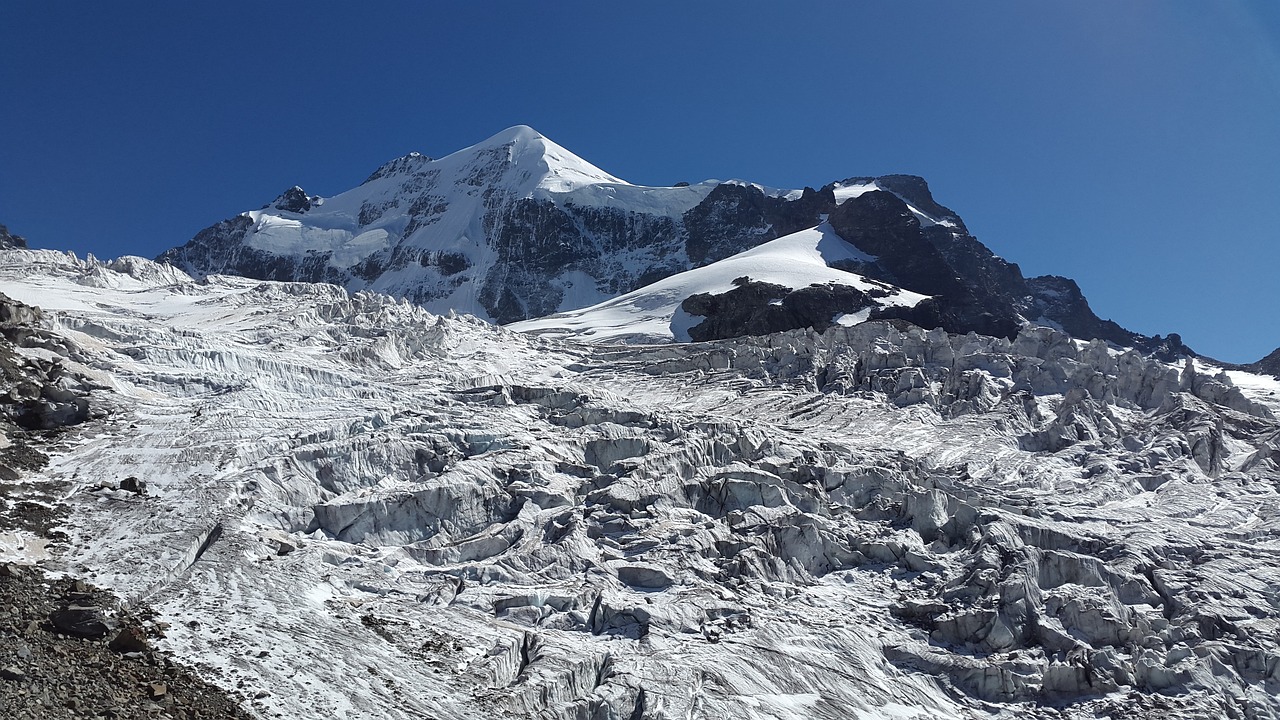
851	319
671	202
359	247
652	313
286	236
1263	389
846	192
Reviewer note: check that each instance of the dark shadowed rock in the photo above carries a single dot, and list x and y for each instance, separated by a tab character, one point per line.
735	217
730	218
130	639
1269	364
9	240
915	190
759	308
294	200
1168	348
972	288
880	224
14	314
1058	299
84	621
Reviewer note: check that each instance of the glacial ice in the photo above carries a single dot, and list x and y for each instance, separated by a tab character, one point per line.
416	515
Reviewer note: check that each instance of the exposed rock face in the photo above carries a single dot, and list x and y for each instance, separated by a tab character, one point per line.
881	224
1059	300
295	200
9	240
86	621
1269	364
734	217
974	289
756	308
36	391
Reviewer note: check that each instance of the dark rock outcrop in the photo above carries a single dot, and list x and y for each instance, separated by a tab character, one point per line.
880	224
35	394
1059	299
294	200
735	217
759	308
973	289
1269	364
86	621
9	240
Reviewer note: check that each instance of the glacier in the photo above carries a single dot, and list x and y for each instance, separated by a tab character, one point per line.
355	507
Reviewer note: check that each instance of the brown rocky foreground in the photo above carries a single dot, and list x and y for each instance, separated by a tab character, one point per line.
63	656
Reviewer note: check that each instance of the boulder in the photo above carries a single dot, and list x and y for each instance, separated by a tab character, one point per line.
84	621
130	639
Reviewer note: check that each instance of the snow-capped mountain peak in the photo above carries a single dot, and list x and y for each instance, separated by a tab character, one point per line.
518	227
539	162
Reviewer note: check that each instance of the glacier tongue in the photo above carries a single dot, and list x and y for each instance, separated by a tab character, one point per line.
361	509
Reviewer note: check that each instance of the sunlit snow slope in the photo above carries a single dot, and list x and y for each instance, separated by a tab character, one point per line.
653	313
358	509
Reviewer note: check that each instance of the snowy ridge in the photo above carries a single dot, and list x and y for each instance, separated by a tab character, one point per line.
545	165
653	313
426	515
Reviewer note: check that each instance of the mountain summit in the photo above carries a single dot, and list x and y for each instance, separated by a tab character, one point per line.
518	227
539	163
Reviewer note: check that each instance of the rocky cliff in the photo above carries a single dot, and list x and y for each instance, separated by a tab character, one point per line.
9	240
1269	364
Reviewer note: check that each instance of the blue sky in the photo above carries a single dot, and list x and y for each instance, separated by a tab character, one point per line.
1133	146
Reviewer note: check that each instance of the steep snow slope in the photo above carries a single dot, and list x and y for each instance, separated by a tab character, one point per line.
359	509
654	314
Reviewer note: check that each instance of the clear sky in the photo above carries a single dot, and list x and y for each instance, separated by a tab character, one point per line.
1133	146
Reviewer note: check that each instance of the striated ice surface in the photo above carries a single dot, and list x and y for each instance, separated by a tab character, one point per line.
358	509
